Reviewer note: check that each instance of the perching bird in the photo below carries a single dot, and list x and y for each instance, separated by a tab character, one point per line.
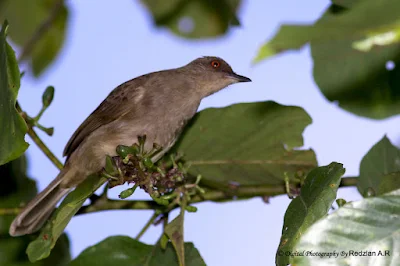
157	105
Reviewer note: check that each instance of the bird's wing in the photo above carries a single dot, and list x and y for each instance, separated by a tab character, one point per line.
118	103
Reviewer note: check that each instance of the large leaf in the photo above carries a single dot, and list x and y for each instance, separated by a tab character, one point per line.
345	3
371	225
45	242
12	125
389	183
196	18
382	159
20	189
249	143
26	17
315	200
365	83
354	23
359	81
125	251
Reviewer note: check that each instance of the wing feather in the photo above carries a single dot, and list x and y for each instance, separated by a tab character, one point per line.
113	107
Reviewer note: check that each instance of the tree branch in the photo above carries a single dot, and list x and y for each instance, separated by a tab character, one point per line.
147	225
103	204
31	132
44	148
349	181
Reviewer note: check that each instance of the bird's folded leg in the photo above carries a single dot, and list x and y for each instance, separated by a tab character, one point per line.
194	188
107	175
154	151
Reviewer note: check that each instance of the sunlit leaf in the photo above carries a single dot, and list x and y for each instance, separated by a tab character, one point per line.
371	225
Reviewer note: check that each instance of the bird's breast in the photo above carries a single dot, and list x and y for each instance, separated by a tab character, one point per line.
162	126
126	133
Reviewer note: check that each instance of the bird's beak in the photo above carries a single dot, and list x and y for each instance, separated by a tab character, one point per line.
239	78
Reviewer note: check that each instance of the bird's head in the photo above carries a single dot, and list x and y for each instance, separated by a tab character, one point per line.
212	74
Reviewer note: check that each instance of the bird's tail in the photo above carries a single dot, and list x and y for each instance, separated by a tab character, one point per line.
38	210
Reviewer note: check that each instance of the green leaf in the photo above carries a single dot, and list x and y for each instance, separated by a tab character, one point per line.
259	149
13	252
350	24
12	126
315	200
174	231
380	38
345	3
41	247
382	159
20	189
125	251
372	225
26	17
364	83
358	81
194	19
389	183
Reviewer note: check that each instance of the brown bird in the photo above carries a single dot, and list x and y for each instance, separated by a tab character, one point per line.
157	105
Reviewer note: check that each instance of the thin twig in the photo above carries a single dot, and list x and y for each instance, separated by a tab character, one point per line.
108	204
44	148
147	225
31	132
41	30
349	181
165	221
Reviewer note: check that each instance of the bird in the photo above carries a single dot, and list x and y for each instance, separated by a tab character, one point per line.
157	105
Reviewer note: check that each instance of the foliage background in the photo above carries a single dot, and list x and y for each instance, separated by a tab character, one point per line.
110	42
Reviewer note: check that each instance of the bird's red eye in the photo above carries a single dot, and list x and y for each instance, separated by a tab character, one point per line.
215	64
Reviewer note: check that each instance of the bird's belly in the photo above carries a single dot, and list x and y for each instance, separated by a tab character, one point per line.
104	142
129	135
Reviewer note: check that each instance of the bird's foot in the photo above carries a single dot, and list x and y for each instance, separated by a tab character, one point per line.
108	176
195	188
